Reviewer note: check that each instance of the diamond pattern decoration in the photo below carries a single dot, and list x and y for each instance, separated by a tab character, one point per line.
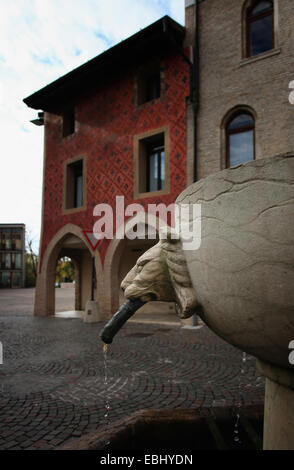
107	121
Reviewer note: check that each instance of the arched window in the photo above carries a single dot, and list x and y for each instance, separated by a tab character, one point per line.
260	28
240	138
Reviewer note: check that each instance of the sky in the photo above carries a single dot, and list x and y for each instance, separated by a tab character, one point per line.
42	40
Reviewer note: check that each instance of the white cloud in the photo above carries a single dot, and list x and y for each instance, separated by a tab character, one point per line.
40	41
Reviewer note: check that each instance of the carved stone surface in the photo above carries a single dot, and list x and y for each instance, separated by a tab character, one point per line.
161	273
242	276
243	273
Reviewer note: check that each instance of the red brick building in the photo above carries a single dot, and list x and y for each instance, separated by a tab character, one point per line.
109	126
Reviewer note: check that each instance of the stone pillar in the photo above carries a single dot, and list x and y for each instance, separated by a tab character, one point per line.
44	304
278	407
92	312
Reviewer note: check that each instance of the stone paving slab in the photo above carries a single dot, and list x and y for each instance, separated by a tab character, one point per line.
52	386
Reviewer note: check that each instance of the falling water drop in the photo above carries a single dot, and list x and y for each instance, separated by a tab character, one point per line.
236	430
107	404
236	435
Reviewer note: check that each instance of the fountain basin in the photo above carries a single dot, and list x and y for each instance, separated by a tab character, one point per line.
206	429
243	272
240	279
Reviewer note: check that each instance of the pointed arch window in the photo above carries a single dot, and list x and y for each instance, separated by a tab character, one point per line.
260	28
240	139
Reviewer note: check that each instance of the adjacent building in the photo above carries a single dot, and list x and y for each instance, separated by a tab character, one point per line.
116	126
12	255
245	65
167	107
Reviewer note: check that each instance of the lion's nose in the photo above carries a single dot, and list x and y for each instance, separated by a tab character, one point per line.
124	285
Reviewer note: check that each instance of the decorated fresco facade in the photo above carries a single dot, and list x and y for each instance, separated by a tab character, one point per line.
116	126
107	121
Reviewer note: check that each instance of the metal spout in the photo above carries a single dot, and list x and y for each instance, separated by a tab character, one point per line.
119	319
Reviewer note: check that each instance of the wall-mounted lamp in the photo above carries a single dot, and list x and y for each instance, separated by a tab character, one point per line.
40	120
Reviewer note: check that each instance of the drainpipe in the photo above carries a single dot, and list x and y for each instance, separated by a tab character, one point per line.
194	89
196	80
194	75
195	101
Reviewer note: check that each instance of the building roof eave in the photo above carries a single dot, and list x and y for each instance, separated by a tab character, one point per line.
124	54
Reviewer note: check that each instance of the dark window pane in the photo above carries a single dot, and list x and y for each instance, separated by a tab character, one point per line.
242	120
68	122
261	35
79	191
261	7
153	87
241	147
156	169
162	168
153	166
6	239
15	279
5	279
149	85
8	261
74	188
153	172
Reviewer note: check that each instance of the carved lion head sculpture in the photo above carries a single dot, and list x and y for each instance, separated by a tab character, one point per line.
161	274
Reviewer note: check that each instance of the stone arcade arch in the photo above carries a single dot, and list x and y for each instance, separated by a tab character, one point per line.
68	241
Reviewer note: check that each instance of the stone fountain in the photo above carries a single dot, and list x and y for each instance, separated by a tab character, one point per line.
240	280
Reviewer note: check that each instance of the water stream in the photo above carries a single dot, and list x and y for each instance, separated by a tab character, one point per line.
236	435
107	402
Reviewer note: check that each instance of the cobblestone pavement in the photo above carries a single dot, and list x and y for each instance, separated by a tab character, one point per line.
52	377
